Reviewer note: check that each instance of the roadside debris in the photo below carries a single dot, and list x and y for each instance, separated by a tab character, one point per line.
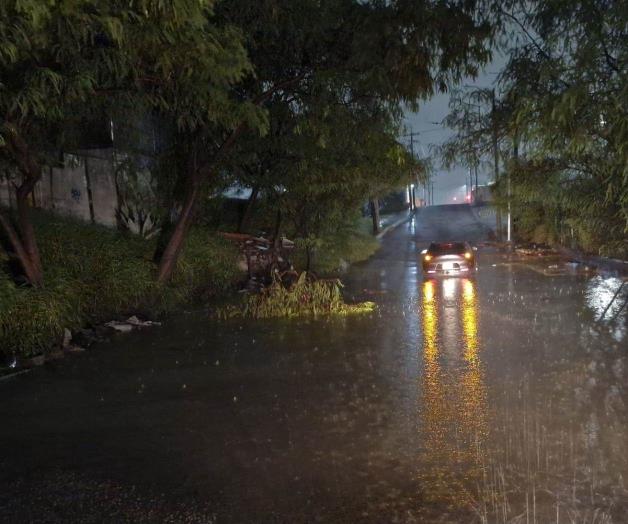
134	321
130	323
67	338
261	256
123	327
67	344
536	250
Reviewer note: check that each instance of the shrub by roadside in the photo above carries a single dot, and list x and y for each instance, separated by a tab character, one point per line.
303	296
94	273
350	243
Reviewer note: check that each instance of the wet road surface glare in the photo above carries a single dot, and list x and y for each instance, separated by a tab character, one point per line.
496	398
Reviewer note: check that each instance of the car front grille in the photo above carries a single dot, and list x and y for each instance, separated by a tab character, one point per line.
455	267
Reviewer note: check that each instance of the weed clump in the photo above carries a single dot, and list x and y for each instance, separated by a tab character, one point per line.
304	296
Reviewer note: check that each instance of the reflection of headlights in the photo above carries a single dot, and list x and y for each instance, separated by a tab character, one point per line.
449	288
428	291
468	290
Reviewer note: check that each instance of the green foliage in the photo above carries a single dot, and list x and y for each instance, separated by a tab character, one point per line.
55	56
348	242
561	106
67	63
95	274
207	266
31	319
333	162
336	75
306	296
348	69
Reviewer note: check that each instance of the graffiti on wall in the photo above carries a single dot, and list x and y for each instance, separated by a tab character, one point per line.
76	194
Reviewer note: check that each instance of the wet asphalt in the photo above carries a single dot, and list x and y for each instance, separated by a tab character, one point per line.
497	398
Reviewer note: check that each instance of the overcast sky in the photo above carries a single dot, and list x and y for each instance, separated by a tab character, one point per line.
448	184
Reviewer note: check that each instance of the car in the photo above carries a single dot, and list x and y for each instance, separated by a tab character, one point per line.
449	258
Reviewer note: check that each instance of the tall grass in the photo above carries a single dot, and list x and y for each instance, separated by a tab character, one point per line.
94	273
305	296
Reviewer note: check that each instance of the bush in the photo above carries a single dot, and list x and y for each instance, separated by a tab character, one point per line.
349	243
305	296
94	273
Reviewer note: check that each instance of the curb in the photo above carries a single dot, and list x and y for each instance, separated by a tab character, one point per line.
607	264
393	225
13	375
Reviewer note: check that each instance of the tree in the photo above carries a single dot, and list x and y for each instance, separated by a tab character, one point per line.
566	83
37	83
396	52
483	135
562	105
59	59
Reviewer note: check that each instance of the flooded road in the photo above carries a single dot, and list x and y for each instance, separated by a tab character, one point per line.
501	398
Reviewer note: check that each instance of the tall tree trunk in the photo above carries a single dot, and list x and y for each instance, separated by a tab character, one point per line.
375	214
31	271
27	232
248	211
174	246
175	201
23	240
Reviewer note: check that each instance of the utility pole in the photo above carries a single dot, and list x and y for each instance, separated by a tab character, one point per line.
476	160
470	185
412	197
498	215
475	196
515	154
412	134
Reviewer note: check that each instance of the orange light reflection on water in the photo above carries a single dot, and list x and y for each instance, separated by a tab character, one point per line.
454	409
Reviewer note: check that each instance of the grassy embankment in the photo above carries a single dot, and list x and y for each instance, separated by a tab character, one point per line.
94	274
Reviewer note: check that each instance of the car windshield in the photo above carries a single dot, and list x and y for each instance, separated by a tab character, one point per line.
451	248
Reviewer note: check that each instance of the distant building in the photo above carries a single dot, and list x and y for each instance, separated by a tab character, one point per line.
482	194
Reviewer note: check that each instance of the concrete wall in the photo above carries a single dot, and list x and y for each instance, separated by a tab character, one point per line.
101	177
84	188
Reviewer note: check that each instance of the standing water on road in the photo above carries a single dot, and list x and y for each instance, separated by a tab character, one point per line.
498	398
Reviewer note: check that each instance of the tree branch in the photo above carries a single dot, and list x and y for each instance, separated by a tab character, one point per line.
206	168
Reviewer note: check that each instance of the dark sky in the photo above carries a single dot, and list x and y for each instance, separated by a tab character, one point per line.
448	184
